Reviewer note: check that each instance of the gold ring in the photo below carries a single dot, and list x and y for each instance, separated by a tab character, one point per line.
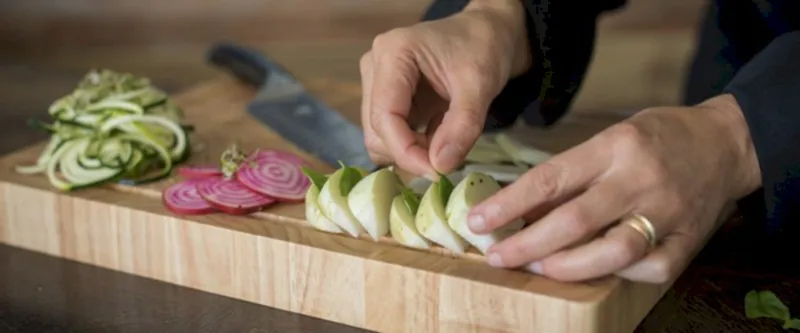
644	227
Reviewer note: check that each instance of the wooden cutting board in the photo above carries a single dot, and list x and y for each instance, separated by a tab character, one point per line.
276	259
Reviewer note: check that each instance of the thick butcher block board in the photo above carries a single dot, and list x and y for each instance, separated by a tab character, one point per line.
275	258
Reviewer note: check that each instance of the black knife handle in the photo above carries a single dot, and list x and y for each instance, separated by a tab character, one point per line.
246	64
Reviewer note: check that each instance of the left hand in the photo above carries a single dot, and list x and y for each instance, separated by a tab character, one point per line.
676	166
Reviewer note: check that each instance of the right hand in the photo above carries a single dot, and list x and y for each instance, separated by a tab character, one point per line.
443	74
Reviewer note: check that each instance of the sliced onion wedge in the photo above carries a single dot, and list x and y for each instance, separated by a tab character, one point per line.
314	215
473	189
500	173
431	221
487	151
333	199
521	152
371	199
419	185
401	221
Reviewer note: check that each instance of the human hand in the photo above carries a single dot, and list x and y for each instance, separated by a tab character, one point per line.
676	166
443	74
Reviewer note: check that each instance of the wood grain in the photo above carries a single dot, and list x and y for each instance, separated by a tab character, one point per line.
274	258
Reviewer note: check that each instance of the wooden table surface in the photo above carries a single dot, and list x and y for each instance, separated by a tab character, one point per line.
44	294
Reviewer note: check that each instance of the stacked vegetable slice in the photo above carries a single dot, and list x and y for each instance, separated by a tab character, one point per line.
502	148
502	157
113	127
497	155
241	185
379	204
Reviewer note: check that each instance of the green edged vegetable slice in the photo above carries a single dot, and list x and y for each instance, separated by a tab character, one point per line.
431	220
333	201
370	201
410	200
473	189
112	123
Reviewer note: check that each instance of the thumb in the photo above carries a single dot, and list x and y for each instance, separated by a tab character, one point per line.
460	128
394	84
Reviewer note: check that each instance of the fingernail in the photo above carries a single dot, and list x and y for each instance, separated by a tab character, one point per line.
494	260
476	223
448	154
535	267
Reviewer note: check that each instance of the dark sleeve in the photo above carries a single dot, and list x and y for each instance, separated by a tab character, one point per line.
767	89
561	36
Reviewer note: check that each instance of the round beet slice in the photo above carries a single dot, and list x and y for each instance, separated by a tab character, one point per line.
182	198
276	174
261	154
230	196
199	172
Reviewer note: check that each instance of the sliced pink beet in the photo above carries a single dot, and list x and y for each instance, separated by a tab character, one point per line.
230	196
199	172
276	174
182	198
262	154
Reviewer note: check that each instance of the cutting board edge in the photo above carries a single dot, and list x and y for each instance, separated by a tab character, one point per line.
289	229
130	240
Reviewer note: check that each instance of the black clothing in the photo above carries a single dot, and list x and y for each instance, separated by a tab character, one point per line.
748	48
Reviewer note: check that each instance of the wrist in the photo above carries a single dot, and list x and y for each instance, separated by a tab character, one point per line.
510	14
746	173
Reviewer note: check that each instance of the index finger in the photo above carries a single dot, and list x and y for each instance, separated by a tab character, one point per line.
393	86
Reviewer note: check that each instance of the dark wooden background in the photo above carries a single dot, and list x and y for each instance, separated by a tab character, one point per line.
46	45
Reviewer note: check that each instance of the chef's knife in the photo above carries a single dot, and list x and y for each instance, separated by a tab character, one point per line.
284	105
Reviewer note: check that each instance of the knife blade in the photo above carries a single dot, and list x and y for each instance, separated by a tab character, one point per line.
286	107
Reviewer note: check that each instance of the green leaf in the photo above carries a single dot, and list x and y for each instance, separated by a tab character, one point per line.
399	180
765	304
411	200
363	171
445	187
317	179
793	323
350	177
